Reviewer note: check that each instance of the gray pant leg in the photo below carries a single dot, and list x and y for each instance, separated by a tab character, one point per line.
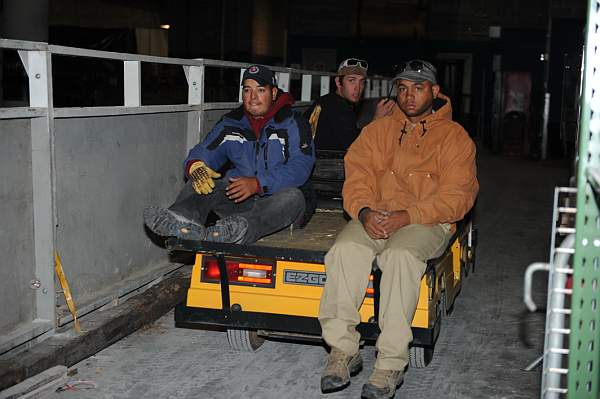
265	215
272	213
196	206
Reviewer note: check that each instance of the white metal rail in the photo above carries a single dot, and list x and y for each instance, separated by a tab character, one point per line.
37	60
556	340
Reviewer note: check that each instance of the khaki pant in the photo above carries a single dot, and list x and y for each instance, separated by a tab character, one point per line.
402	259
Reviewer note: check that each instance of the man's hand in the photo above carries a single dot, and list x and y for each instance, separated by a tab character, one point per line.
202	177
371	221
241	188
385	107
394	221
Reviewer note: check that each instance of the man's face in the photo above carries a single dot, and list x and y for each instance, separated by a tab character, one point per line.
416	98
257	99
351	87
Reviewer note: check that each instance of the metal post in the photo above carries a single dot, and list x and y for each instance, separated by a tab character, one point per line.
242	70
325	81
283	80
584	346
132	86
306	87
384	87
375	88
195	79
497	104
39	69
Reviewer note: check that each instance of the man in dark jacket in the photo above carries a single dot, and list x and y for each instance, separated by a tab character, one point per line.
333	116
271	154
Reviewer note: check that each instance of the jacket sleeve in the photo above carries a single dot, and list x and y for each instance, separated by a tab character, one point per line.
458	184
360	188
212	153
301	160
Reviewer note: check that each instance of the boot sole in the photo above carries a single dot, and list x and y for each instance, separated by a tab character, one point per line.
231	229
371	392
166	223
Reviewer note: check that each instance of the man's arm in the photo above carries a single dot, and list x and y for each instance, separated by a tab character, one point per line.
359	189
384	107
458	184
300	162
215	157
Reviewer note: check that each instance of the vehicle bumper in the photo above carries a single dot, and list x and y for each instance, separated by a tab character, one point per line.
188	317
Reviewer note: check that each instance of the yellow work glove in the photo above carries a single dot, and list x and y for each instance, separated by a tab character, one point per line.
202	177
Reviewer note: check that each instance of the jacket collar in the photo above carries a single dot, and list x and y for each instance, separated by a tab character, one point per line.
282	106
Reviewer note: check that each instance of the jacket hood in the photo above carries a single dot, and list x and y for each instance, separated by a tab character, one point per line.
442	109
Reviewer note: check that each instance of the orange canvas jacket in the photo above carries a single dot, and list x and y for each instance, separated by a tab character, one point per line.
427	169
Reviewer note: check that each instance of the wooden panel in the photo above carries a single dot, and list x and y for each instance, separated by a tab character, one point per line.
318	235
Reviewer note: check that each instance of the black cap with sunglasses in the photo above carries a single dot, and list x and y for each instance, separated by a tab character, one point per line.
353	66
417	71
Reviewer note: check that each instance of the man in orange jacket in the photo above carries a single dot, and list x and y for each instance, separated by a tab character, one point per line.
409	177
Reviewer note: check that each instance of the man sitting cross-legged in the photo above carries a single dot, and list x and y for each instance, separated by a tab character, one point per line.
271	154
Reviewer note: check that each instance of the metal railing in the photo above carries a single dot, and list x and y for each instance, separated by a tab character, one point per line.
42	113
557	312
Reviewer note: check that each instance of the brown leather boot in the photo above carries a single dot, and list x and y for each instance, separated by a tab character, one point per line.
340	367
382	384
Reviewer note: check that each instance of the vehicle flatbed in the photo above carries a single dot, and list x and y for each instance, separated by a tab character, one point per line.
308	244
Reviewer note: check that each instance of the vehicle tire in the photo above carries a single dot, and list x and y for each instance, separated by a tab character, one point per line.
244	340
445	311
473	258
419	357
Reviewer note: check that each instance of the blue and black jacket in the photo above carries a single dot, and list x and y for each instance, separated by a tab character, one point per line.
282	156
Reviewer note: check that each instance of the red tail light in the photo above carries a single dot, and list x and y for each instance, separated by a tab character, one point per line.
239	271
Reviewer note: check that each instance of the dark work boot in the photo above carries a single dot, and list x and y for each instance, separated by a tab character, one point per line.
382	384
168	223
230	229
340	367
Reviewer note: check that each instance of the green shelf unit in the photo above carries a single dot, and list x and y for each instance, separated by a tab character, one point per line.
584	342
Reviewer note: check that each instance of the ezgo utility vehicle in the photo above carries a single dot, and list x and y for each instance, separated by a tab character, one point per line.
272	288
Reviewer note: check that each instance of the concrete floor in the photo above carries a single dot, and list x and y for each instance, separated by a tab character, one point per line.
482	348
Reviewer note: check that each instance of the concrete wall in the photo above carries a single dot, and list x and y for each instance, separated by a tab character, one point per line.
107	170
16	224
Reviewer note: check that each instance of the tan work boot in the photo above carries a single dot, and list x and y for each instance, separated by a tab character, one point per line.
382	384
340	367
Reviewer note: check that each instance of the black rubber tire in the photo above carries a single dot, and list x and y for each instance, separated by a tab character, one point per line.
244	340
419	357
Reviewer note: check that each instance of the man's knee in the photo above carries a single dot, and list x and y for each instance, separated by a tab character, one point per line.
398	256
290	198
349	254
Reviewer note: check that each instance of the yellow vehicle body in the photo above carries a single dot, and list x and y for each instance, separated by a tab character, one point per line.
303	300
284	302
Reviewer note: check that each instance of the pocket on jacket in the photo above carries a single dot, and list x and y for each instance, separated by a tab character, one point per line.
423	184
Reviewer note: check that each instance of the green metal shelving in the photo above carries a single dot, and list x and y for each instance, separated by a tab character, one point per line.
584	342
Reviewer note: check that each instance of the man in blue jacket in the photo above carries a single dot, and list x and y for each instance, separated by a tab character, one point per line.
270	152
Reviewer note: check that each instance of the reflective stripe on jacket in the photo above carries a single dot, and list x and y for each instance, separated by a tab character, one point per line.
281	157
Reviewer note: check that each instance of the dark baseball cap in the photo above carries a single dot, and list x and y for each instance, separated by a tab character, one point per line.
261	74
417	71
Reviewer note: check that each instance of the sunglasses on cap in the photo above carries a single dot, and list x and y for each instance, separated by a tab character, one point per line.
350	62
416	66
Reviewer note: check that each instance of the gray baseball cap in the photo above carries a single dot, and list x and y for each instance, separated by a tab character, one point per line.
417	71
